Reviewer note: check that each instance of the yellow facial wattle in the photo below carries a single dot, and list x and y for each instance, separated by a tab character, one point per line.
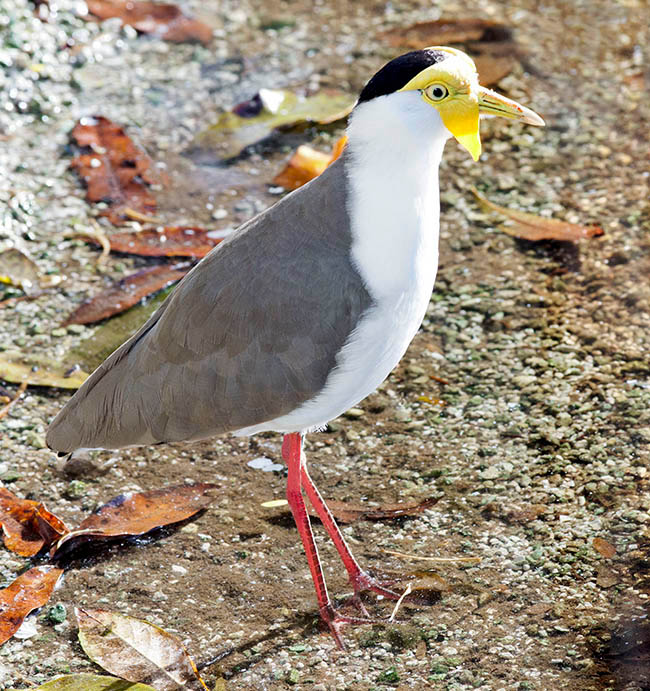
452	87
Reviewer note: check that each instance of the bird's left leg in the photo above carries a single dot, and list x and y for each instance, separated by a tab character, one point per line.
359	579
293	455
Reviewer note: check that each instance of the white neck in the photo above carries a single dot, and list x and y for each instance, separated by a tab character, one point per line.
395	144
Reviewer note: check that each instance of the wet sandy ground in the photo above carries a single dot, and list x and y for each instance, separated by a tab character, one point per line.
544	349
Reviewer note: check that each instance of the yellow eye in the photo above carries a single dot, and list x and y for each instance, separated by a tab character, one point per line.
436	92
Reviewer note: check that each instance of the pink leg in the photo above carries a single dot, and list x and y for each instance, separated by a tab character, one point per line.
292	454
359	579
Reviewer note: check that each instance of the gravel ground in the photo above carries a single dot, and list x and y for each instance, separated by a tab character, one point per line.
534	434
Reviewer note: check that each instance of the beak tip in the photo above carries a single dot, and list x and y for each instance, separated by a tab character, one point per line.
533	119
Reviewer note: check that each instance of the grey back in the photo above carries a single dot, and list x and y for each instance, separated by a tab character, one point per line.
250	334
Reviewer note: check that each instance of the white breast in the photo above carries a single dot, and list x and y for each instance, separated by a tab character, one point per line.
395	145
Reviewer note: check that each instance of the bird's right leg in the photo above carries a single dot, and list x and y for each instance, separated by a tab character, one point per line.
294	457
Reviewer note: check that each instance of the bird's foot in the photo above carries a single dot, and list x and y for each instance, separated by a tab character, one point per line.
335	621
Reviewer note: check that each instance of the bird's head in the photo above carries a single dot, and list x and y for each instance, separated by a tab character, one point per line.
446	79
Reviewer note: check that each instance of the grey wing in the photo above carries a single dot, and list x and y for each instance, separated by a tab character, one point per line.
249	334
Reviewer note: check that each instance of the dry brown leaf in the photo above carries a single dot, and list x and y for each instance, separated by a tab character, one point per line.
137	650
27	526
165	21
604	548
163	241
115	170
489	43
527	226
347	512
29	591
138	513
126	292
306	164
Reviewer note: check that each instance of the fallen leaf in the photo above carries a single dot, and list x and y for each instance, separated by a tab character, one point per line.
136	650
532	227
29	591
604	548
490	44
17	269
89	682
164	241
306	164
115	170
348	512
126	292
92	351
164	21
270	109
27	526
138	513
17	367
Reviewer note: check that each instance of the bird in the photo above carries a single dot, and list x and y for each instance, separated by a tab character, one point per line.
304	310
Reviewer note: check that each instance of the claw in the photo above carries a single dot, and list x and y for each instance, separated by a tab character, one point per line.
335	621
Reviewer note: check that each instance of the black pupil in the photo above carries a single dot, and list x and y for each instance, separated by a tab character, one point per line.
438	92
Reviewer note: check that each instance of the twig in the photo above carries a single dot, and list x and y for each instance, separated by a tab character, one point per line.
11	301
143	218
100	236
14	400
440	560
440	380
398	604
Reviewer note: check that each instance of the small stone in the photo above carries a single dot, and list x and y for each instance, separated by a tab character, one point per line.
58	332
35	439
293	676
75	328
219	214
57	614
491	473
354	413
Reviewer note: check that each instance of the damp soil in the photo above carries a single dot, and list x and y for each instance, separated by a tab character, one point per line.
522	405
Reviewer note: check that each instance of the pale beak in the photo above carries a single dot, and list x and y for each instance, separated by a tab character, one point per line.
492	103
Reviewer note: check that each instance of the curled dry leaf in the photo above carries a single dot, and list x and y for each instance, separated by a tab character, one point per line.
17	269
165	21
490	44
115	170
527	226
89	682
164	241
17	367
270	109
138	513
306	164
348	512
604	548
137	650
126	292
29	591
27	526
